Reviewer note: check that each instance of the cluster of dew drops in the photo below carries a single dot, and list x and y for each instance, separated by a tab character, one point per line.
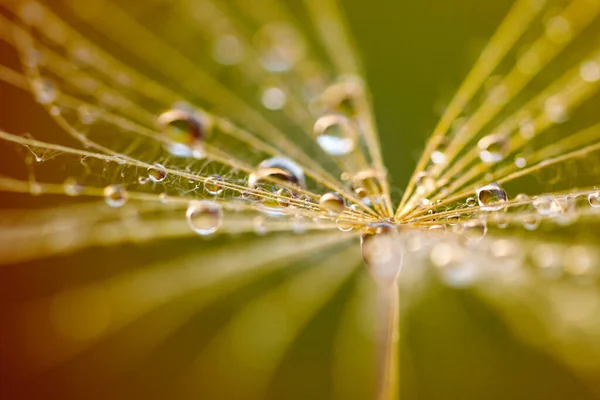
336	132
185	129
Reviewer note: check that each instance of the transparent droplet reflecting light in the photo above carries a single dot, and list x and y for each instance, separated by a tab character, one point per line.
491	197
204	217
333	203
157	173
115	196
335	134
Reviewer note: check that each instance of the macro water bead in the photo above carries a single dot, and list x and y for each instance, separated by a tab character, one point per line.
491	197
277	169
332	203
493	148
214	185
335	134
157	173
115	195
204	217
182	126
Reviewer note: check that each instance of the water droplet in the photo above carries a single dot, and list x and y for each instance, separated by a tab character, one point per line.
279	46
520	162
345	225
531	222
437	228
527	128
471	201
73	187
453	219
589	71
182	127
379	228
543	204
45	91
493	148
498	94
438	157
342	97
367	185
273	98
87	115
204	217
558	29
556	110
333	203
425	183
271	205
594	199
474	230
142	180
335	134
157	173
214	185
491	197
55	111
500	219
564	210
227	50
521	197
284	196
115	195
363	195
279	169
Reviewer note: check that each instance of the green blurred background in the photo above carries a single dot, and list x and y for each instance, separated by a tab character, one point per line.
416	54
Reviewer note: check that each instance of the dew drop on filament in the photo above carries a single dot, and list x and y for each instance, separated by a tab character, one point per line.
72	187
342	97
335	134
115	196
594	199
214	185
182	127
332	203
491	197
204	217
279	47
589	71
157	173
493	148
273	98
438	157
543	204
425	183
278	169
284	196
531	222
45	91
